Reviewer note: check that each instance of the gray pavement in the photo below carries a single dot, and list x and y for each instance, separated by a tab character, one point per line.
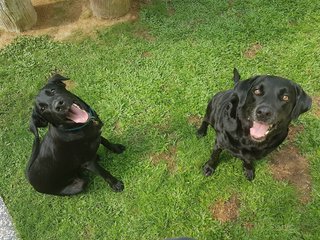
7	231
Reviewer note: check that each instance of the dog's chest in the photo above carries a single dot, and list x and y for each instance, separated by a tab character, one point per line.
78	151
242	147
78	146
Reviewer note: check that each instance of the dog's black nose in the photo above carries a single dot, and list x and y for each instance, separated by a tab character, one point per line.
263	113
59	104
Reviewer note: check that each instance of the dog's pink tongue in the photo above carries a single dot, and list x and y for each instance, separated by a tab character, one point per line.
258	130
77	115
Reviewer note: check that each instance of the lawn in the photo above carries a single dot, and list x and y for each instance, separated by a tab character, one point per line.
150	81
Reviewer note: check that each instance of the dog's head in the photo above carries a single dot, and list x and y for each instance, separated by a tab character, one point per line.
267	103
56	105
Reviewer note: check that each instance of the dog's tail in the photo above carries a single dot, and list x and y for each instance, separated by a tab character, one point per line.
236	76
35	148
35	152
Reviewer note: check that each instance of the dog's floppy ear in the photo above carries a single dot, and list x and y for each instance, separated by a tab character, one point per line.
303	102
36	122
242	89
57	78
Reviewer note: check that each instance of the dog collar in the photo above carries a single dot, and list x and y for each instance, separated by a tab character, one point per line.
90	119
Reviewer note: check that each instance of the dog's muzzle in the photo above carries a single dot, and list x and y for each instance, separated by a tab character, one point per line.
262	123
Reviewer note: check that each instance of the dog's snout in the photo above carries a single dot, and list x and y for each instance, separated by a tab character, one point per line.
263	113
59	105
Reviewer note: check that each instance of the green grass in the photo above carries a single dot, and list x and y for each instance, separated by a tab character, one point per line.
145	79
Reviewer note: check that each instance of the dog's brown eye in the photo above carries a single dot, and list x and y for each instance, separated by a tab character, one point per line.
257	92
285	98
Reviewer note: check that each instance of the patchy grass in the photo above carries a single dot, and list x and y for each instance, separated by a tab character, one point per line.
150	80
252	51
316	106
169	157
195	120
287	164
226	211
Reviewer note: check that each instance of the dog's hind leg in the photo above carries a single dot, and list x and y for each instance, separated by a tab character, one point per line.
248	170
75	187
114	183
212	163
116	148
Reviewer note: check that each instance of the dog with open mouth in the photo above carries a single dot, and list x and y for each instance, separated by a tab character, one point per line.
252	119
70	146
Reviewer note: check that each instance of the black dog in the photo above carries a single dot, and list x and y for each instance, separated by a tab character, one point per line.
69	146
252	119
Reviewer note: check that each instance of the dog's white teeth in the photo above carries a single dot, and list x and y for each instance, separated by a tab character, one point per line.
267	132
76	106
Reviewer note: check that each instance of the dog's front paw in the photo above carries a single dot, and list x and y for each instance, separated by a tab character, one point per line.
119	148
249	173
118	186
208	170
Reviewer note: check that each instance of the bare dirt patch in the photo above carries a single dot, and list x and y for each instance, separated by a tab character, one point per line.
146	1
316	105
226	211
145	35
146	54
195	120
293	132
230	4
248	226
288	164
70	84
117	126
67	19
169	157
171	10
252	51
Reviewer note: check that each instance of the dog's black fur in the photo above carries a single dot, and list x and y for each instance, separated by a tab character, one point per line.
70	145
252	119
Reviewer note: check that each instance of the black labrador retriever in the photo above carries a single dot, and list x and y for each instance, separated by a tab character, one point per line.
252	119
70	145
